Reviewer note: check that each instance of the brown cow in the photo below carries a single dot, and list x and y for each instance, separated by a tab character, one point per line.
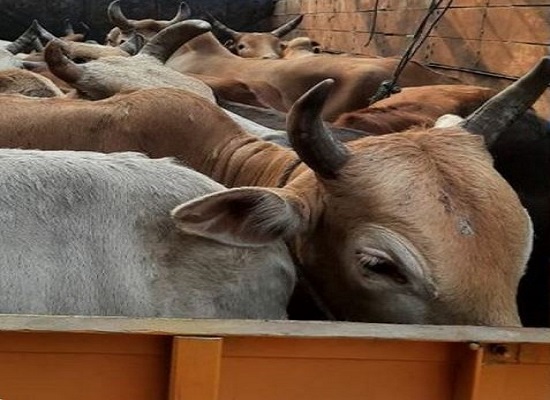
266	45
421	105
148	28
415	227
356	78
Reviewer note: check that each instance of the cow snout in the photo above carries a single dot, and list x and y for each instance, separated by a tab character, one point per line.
272	56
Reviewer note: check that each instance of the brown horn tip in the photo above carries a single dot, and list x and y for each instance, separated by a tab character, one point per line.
503	109
42	33
310	138
117	18
288	27
163	44
59	64
184	12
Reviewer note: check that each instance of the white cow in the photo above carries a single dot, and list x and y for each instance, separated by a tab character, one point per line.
117	234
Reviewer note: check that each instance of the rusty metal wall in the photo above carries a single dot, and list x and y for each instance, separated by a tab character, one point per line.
17	15
479	37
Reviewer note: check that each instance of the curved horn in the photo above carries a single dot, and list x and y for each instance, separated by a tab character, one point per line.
184	12
315	145
502	110
117	18
35	65
59	64
24	42
288	27
43	34
68	27
134	44
221	27
164	43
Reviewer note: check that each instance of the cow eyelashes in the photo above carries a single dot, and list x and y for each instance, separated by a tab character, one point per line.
376	266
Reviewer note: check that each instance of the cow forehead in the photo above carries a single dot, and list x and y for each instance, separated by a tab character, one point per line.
410	176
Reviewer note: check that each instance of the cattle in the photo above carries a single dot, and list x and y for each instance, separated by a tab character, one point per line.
82	52
357	79
107	76
266	45
414	227
421	105
94	234
522	151
148	28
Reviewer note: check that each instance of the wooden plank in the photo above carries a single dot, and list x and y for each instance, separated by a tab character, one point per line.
468	375
509	381
84	367
195	368
207	327
253	370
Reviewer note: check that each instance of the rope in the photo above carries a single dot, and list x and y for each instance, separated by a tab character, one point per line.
389	87
373	25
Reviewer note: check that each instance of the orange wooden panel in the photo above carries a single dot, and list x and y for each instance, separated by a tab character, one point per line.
515	381
195	368
61	366
468	374
292	369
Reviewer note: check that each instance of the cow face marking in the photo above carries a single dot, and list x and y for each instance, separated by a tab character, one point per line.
464	227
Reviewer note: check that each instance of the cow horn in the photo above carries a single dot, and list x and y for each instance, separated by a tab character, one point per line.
315	145
69	30
163	44
43	34
117	18
134	44
221	27
288	27
59	64
24	42
184	12
502	110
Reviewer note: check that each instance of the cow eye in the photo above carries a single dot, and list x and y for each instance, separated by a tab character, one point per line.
241	46
379	267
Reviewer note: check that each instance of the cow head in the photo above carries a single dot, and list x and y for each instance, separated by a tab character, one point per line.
413	227
145	27
266	45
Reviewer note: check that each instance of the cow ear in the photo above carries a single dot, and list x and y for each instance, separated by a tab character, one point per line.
242	216
230	44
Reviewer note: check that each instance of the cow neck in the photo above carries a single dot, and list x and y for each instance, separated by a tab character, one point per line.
244	160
